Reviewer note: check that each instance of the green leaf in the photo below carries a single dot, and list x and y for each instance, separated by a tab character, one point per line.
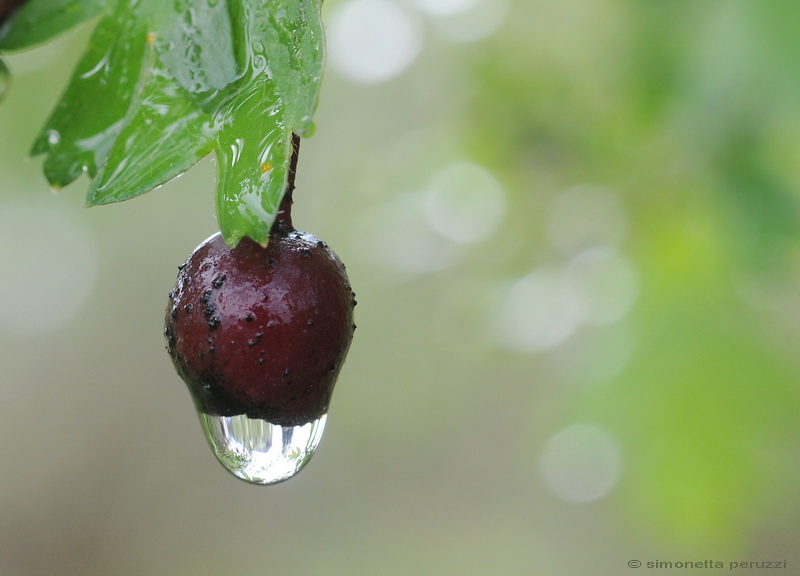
164	83
253	153
38	21
198	50
164	135
293	36
91	113
280	49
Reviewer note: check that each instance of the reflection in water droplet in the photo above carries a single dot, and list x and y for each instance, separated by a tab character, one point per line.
260	452
53	137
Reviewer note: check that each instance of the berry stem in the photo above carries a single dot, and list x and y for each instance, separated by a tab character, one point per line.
283	220
8	6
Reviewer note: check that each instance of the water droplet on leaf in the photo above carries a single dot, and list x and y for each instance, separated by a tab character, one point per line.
53	137
258	451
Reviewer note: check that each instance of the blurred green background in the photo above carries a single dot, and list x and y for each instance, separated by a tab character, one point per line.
574	232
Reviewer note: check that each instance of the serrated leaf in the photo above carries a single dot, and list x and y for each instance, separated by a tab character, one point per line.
38	21
164	135
91	113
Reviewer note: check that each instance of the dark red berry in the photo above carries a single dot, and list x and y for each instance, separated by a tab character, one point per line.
261	331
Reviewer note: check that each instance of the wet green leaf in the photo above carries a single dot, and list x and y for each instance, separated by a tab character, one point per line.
38	21
253	152
164	135
91	113
240	86
163	84
292	35
280	51
197	47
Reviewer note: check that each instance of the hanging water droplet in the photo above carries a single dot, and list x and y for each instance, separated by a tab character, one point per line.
260	452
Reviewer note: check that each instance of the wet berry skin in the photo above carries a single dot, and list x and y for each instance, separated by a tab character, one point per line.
261	331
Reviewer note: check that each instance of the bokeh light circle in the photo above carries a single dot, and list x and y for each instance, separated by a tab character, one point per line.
581	463
372	41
